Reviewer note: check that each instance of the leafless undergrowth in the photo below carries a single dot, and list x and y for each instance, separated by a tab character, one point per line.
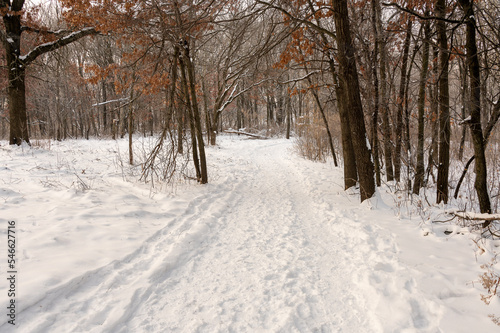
164	163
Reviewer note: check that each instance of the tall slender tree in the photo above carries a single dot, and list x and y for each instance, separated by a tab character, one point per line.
480	184
419	173
401	101
444	105
384	99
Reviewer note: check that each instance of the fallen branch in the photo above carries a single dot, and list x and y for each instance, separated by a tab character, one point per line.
475	216
248	134
471	216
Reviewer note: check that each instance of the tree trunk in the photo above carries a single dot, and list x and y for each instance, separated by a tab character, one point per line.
195	113
288	109
419	174
384	105
433	97
444	106
130	129
463	75
185	93
480	184
401	102
376	98
16	90
104	106
352	99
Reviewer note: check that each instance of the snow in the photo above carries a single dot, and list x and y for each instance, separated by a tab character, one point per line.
272	244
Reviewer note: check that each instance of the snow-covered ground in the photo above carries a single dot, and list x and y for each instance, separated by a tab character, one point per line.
271	244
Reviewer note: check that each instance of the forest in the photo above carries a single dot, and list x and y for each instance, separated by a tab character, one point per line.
403	93
250	165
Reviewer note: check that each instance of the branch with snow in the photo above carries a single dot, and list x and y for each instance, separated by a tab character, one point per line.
126	99
233	96
300	78
465	121
472	216
51	46
255	136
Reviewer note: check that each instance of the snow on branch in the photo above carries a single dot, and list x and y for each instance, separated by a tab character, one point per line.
420	16
255	136
467	120
51	46
126	99
474	216
300	78
233	96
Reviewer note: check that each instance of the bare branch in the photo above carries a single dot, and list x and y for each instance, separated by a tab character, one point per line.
420	16
233	96
296	19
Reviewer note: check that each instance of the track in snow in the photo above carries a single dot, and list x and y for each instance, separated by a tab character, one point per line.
269	245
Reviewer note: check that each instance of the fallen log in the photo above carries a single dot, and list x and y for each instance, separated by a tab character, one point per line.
256	136
471	216
474	216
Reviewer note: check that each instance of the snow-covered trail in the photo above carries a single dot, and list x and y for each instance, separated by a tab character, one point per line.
260	249
272	244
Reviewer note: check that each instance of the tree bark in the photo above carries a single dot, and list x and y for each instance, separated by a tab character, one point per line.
480	183
444	106
433	97
352	99
16	91
131	128
376	98
465	99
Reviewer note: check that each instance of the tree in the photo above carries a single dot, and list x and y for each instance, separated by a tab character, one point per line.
384	100
475	107
419	173
11	36
402	101
348	77
444	105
